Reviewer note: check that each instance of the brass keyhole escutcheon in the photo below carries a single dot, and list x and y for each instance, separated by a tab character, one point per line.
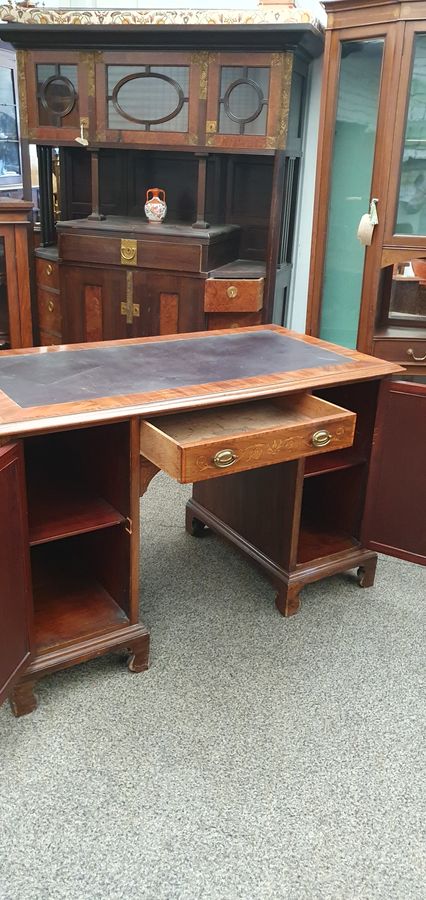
224	458
321	438
50	306
232	292
49	269
129	251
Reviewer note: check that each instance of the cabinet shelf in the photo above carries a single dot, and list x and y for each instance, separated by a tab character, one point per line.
62	509
332	462
315	543
70	603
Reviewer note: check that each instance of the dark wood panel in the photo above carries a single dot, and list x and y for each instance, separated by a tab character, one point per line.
395	520
15	608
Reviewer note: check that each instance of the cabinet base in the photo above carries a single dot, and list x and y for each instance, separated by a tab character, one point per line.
134	638
289	583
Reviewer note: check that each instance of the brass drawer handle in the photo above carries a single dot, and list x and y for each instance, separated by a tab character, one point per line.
232	292
410	352
321	438
224	458
49	269
50	306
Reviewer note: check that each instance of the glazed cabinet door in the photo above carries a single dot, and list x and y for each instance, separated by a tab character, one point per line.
395	512
57	95
15	590
248	100
148	98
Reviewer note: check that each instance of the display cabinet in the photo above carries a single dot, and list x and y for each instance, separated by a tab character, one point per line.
210	113
15	296
372	142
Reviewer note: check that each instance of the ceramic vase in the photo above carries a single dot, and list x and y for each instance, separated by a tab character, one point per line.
155	206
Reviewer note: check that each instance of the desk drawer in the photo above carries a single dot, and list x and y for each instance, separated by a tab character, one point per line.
238	295
404	351
194	446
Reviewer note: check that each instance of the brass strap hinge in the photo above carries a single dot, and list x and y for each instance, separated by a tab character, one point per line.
127	307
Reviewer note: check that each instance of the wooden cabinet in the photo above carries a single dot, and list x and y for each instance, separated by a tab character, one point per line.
105	304
212	114
371	147
15	280
78	535
57	86
49	310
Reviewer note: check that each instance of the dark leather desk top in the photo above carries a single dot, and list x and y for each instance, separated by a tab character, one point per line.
39	380
46	388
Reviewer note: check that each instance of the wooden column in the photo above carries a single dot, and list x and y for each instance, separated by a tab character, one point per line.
95	214
201	191
47	219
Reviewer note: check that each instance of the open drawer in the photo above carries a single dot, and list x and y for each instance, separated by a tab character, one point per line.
194	446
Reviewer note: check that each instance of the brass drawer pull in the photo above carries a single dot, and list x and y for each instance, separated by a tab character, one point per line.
50	306
232	292
129	252
410	352
49	269
224	458
321	438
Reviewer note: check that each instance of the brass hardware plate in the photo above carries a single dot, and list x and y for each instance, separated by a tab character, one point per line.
51	306
232	292
129	252
127	307
211	127
49	269
321	438
224	458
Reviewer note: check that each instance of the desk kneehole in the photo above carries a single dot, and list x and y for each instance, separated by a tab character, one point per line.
210	443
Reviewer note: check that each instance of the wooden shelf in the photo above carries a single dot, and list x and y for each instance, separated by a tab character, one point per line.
69	603
315	544
62	509
332	462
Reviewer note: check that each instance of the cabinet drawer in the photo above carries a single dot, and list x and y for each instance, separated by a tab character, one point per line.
199	445
47	273
238	295
150	254
49	310
401	351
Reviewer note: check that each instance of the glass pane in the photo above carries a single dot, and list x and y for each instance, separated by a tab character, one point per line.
7	94
44	72
4	312
70	72
411	214
9	158
8	125
149	96
352	163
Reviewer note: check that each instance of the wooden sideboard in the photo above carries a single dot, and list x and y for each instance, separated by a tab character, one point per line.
371	147
275	430
214	115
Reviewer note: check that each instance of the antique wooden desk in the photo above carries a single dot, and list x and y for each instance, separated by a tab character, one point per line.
274	429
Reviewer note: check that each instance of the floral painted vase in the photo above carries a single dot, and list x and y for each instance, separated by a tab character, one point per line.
155	206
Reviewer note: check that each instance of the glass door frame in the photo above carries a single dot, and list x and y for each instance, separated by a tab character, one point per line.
392	35
392	239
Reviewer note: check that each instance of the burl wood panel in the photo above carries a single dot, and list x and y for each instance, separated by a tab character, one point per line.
169	313
93	323
237	295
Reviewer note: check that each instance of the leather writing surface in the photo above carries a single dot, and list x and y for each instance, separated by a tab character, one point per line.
88	374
